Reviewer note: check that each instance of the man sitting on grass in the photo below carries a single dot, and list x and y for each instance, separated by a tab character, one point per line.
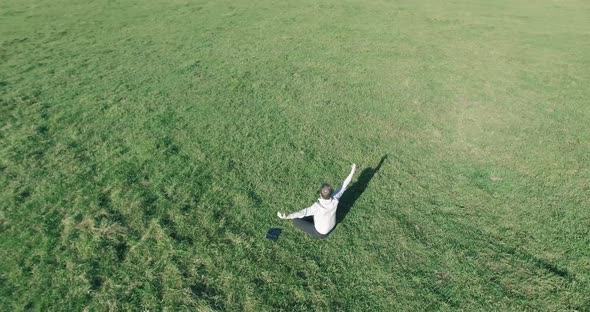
320	218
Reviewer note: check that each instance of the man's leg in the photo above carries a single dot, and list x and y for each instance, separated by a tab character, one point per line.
306	225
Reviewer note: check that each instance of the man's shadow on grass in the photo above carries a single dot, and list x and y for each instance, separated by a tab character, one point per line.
353	193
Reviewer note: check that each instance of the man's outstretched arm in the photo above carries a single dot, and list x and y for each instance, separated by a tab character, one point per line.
338	193
309	211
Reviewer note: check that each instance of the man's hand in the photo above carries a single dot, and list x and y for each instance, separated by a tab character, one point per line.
281	215
353	167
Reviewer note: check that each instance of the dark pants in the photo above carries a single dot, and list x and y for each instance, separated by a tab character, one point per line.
306	225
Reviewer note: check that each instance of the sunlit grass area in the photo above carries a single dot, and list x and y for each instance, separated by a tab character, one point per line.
146	146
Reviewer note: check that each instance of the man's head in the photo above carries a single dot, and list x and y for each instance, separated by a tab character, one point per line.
326	191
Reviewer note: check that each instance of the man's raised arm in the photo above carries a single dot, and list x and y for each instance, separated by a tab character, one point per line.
338	193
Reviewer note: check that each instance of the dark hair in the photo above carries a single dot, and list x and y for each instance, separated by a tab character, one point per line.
326	191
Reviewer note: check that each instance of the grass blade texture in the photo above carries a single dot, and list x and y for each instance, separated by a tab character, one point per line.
146	146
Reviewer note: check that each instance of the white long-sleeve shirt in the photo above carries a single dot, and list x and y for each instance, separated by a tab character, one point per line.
324	210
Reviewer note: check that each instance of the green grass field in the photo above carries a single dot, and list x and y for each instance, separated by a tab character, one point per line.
146	146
